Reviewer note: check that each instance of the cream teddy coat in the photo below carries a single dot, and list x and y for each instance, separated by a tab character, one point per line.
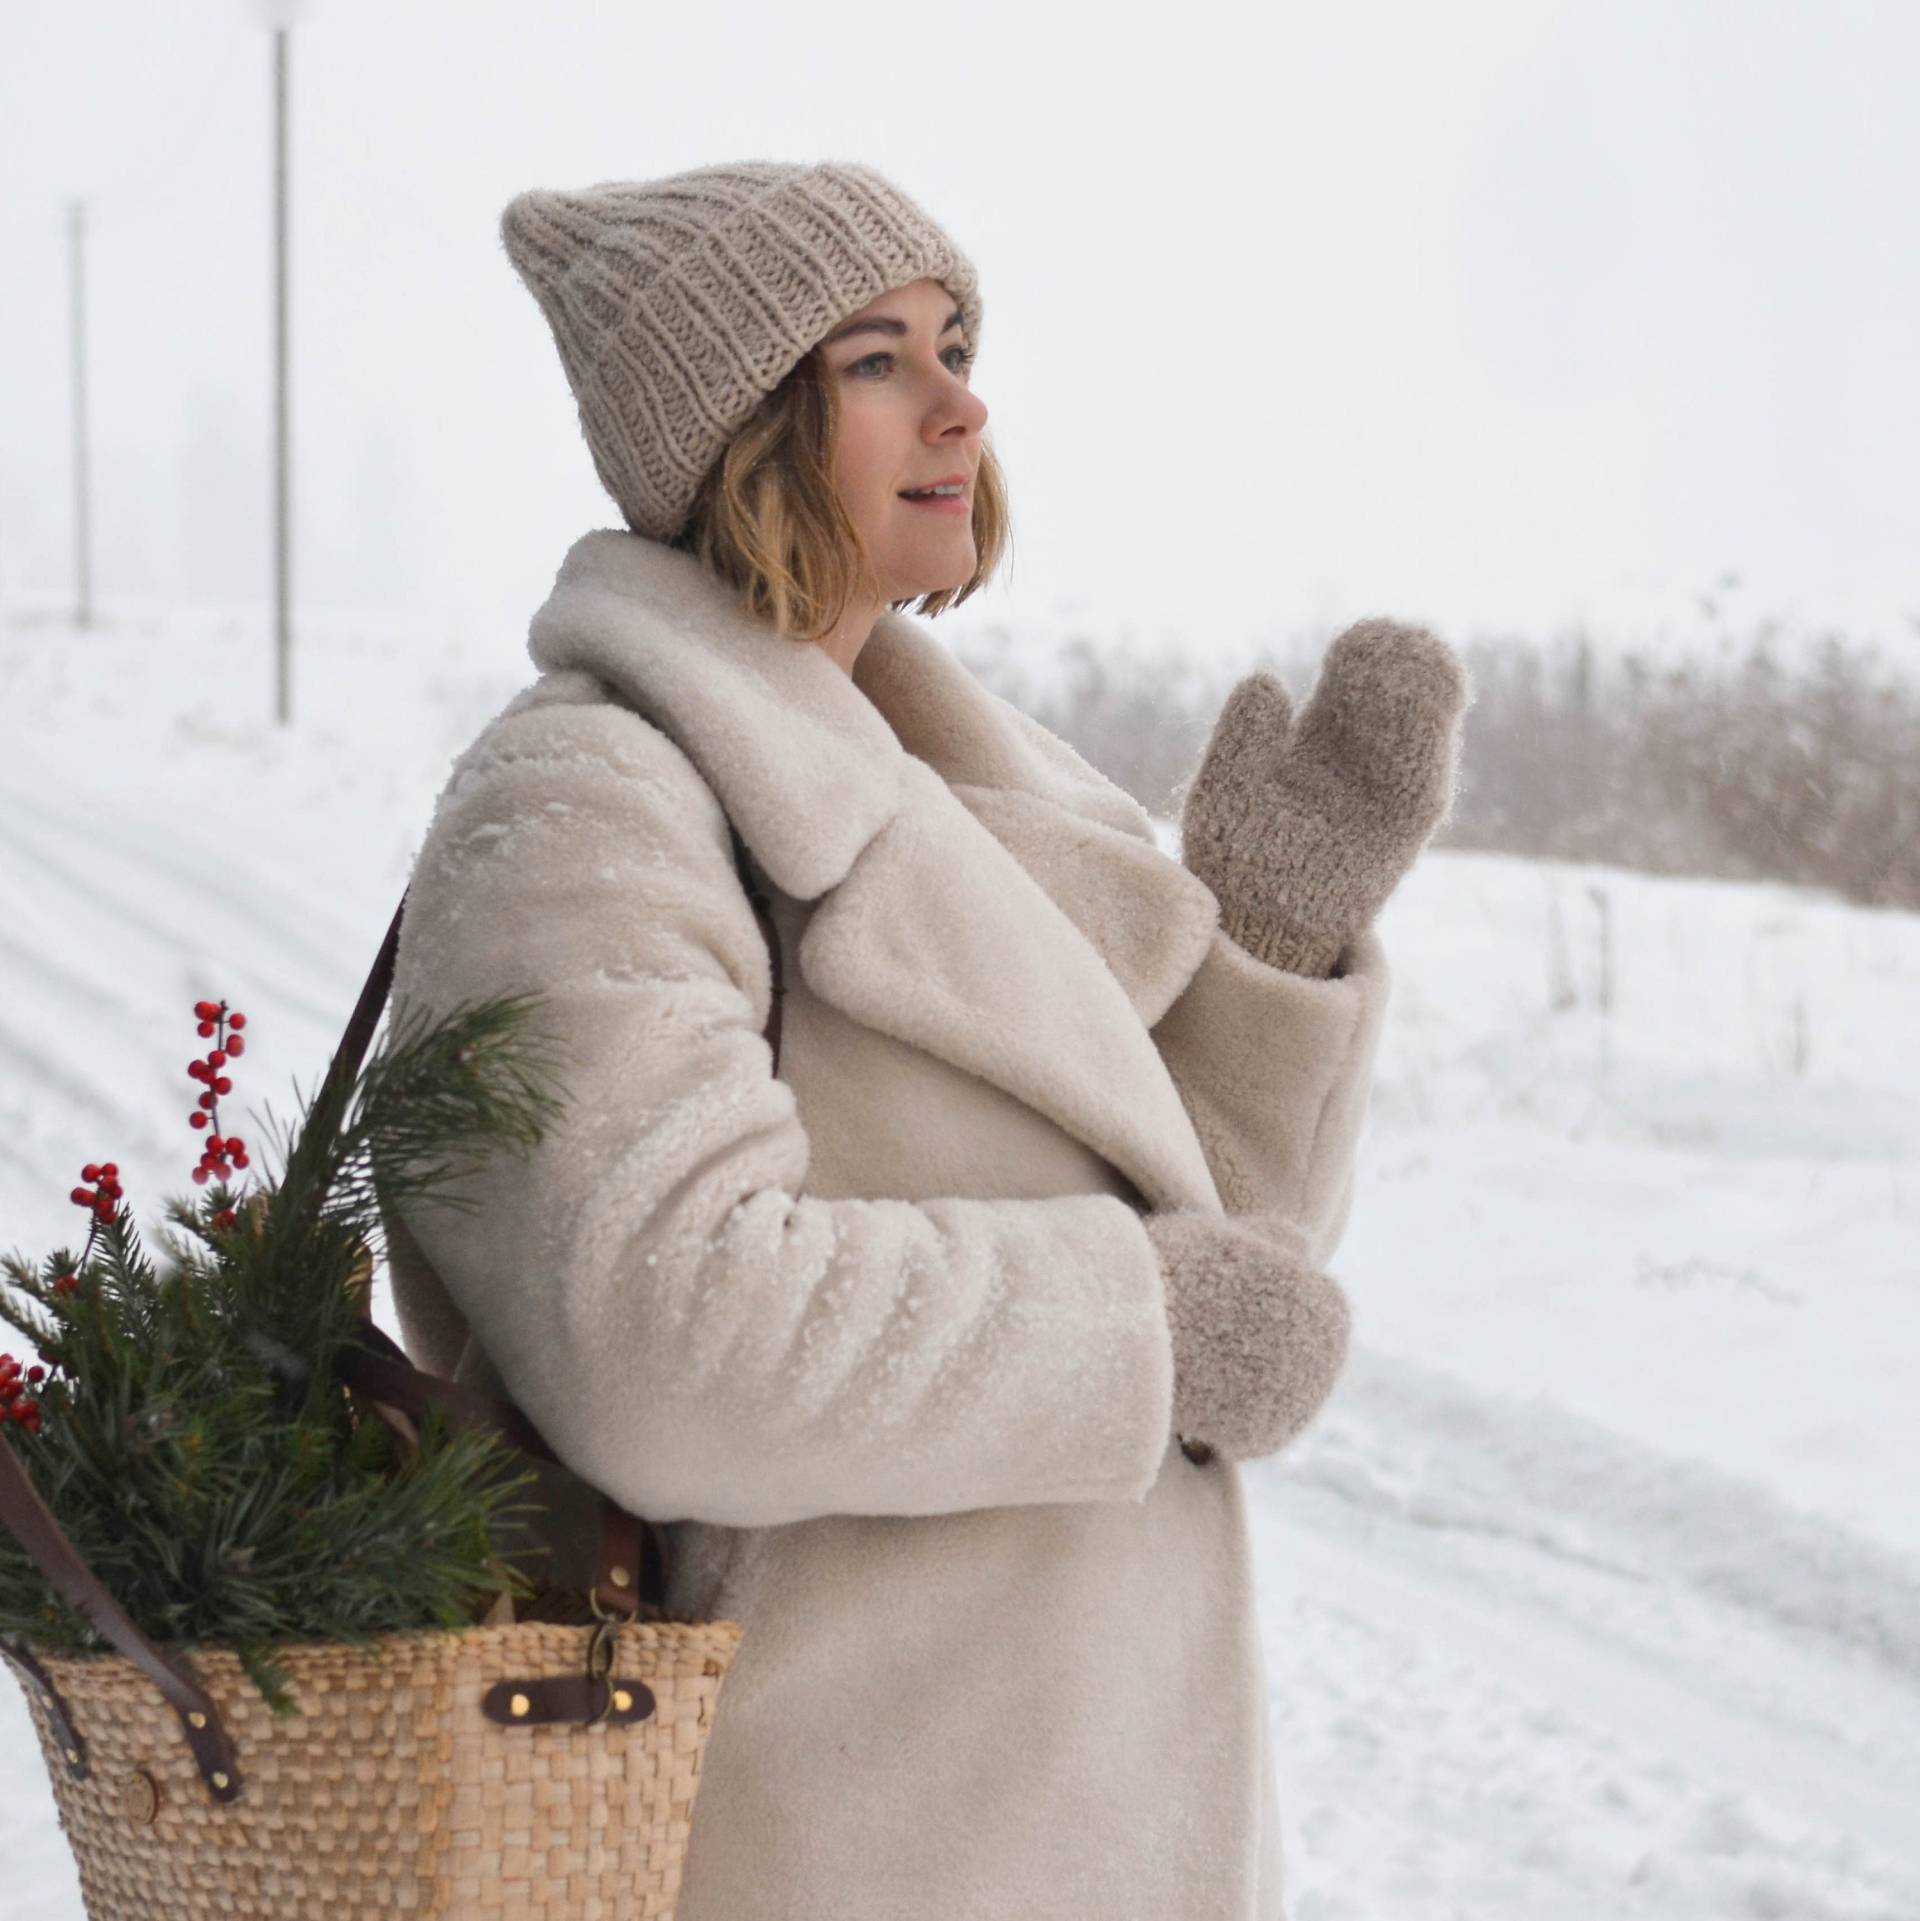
882	1339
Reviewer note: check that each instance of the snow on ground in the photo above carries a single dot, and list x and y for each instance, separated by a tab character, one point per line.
1596	1589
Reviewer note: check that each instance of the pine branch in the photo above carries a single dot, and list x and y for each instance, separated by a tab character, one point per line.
195	1441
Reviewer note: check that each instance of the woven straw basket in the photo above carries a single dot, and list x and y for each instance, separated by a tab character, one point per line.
535	1769
390	1792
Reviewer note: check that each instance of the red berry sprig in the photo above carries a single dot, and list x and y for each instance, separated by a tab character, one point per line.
222	1153
17	1404
100	1200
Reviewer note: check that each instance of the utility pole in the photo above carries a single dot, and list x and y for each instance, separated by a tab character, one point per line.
282	506
82	521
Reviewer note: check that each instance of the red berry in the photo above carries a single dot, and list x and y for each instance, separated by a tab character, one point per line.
200	1175
234	1140
216	1059
240	1160
223	1085
205	1028
206	1009
67	1283
91	1172
236	1020
206	1100
197	1118
109	1168
82	1197
36	1373
236	1044
103	1209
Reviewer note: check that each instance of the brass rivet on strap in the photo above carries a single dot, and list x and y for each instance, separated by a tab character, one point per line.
219	1779
73	1754
139	1797
622	1699
620	1577
198	1719
521	1705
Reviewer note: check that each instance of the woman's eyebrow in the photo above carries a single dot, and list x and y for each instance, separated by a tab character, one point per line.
884	325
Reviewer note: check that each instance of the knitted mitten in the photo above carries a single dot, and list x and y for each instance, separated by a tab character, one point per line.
1302	830
1259	1336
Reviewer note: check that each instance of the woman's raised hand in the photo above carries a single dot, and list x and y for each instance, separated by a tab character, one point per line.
1302	829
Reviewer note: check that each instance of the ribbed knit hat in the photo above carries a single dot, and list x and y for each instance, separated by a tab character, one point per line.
679	304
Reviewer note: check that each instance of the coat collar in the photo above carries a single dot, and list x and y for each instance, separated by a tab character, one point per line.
866	793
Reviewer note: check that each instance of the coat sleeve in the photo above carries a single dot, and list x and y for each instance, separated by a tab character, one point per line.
688	1332
1276	1070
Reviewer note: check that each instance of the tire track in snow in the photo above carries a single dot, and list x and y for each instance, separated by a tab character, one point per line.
1672	1660
167	936
288	929
1418	1443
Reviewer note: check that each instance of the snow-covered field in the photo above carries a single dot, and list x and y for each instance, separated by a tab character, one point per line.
1595	1592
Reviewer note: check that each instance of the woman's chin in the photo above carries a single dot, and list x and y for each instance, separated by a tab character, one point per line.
937	579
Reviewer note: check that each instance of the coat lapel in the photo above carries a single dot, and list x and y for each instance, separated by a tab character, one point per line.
1071	933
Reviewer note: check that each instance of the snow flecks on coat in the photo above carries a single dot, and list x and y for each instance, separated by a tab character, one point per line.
882	1341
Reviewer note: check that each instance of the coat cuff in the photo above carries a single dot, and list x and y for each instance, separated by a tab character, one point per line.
1276	1071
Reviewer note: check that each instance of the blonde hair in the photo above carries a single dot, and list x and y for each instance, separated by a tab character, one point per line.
768	519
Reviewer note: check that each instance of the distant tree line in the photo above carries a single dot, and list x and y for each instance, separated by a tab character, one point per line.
1746	766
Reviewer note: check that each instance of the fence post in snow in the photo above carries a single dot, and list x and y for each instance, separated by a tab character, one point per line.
1560	989
1603	903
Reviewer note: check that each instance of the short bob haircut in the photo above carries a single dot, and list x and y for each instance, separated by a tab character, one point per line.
767	517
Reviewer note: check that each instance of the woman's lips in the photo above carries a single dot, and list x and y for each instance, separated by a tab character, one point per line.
941	503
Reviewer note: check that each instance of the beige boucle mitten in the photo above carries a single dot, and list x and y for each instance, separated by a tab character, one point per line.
1301	830
1259	1335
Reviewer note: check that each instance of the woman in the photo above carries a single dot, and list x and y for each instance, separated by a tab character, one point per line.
901	1341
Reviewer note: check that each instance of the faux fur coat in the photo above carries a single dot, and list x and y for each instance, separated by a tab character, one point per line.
882	1338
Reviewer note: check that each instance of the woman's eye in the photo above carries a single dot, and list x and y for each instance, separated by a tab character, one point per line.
866	360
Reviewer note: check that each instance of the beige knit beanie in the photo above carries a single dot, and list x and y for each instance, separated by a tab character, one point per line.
679	304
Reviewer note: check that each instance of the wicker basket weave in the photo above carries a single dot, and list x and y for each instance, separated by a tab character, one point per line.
390	1792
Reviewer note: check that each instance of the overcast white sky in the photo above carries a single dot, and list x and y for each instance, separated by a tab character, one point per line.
1495	315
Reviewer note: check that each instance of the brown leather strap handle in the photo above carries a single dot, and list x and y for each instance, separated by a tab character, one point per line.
33	1525
372	1364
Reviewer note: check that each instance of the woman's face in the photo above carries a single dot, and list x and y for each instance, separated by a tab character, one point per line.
908	419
